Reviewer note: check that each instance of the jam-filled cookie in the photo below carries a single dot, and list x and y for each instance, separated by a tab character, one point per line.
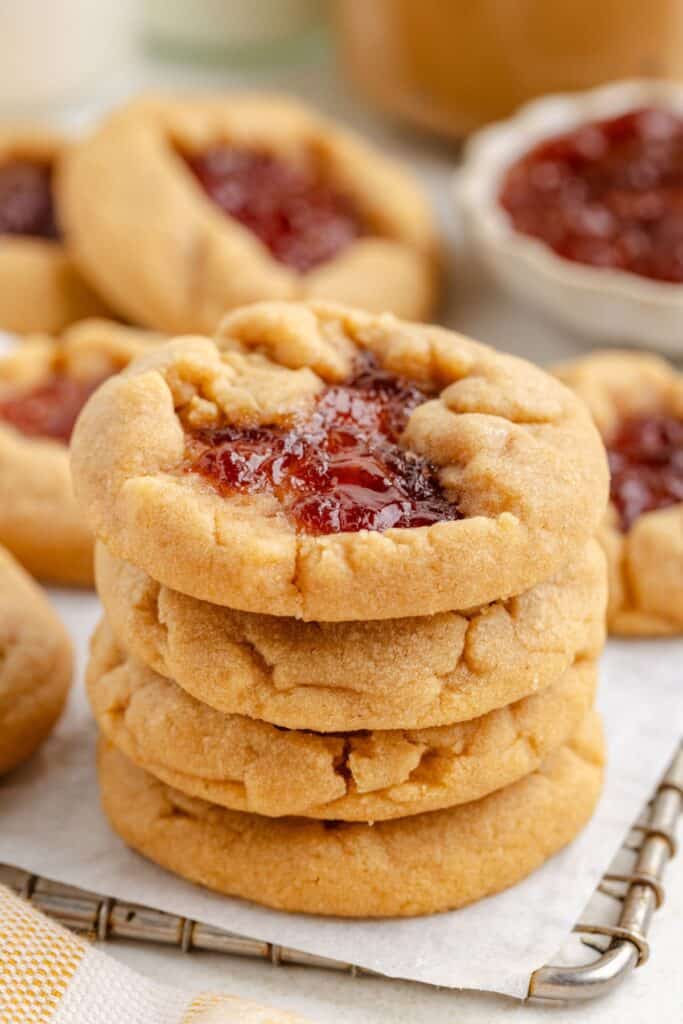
40	287
179	210
636	400
44	382
339	676
330	464
249	765
389	869
35	667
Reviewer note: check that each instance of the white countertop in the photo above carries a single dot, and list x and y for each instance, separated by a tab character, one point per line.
654	993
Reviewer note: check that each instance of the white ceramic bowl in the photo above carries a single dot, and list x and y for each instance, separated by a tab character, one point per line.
612	306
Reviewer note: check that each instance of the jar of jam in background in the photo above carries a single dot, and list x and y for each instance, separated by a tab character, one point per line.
453	65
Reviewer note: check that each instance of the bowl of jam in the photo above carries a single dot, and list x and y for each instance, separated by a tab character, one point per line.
576	206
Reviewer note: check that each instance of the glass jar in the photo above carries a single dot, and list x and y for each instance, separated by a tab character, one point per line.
453	65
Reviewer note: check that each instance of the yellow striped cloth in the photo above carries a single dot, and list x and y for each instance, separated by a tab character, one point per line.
49	976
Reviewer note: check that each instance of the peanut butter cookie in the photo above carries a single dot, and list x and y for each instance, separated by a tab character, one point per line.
249	765
43	384
339	676
636	400
35	665
389	869
40	288
179	210
327	464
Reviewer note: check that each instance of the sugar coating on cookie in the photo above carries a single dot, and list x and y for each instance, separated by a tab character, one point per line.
636	400
44	383
390	868
40	287
222	201
512	453
397	673
36	666
250	765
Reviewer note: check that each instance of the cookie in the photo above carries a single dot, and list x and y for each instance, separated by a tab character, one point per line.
636	400
35	667
401	868
181	209
280	470
250	765
43	384
40	287
395	673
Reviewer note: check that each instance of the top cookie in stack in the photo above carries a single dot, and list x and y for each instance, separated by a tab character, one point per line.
342	523
186	467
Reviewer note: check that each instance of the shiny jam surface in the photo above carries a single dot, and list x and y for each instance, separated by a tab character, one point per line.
339	468
609	194
646	463
26	204
301	220
49	409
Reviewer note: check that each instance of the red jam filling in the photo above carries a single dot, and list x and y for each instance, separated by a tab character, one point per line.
609	194
26	203
646	463
301	220
338	469
49	409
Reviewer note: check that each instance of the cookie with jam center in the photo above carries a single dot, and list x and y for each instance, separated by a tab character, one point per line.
636	400
44	382
328	464
180	209
40	286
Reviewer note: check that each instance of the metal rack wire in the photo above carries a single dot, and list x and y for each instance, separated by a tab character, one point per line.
638	890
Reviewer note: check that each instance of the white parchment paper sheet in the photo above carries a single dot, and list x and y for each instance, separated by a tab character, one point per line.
50	823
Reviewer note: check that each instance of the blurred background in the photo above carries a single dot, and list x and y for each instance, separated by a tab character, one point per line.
446	65
415	75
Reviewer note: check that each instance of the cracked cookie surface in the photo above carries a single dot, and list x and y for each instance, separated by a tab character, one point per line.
250	765
40	287
35	665
390	868
513	449
43	383
636	400
418	672
134	188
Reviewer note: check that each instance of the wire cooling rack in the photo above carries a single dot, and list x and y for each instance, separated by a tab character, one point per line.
632	889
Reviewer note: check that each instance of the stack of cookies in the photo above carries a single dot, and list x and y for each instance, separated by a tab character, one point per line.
354	607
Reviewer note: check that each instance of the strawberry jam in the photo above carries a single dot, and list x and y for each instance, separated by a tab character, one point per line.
609	194
301	220
337	469
26	204
646	463
49	409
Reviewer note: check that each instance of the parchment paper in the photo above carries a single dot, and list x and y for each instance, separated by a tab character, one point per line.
51	823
